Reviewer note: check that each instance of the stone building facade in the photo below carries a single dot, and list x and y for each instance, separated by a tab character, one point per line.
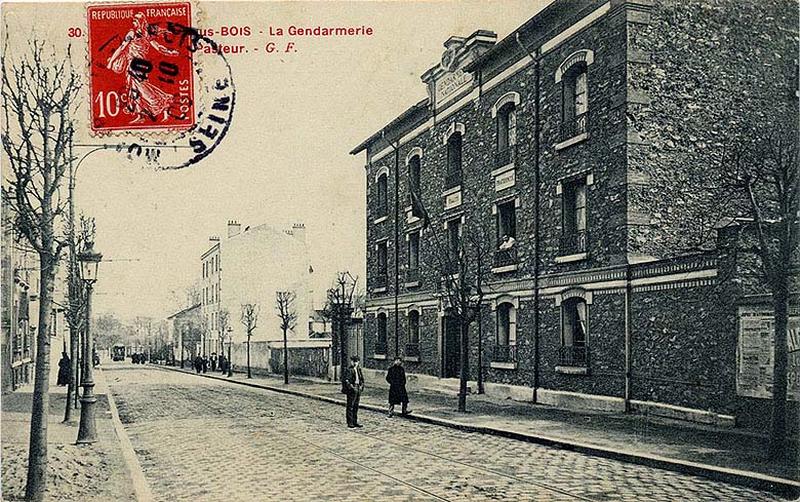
583	136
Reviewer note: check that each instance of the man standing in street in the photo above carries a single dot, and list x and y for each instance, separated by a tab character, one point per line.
396	376
354	384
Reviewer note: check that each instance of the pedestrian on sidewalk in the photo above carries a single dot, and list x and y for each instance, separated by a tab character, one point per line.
213	361
205	364
198	364
353	386
396	376
222	363
64	367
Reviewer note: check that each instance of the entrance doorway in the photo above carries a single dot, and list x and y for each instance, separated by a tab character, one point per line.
451	347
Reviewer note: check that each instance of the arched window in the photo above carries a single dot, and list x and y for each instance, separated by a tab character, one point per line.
575	101
382	208
380	340
574	332
412	348
454	167
414	186
506	341
506	133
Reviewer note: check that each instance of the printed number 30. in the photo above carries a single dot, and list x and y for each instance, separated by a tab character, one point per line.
108	105
74	32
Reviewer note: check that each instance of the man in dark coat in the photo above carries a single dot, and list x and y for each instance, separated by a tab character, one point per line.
213	361
353	385
396	376
64	367
198	364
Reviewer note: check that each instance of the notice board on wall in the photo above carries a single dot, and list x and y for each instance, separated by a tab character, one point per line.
754	358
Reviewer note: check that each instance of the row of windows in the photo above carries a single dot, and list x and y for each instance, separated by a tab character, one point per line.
211	294
210	266
574	332
573	234
575	106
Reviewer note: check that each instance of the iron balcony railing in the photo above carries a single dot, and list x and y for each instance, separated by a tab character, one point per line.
573	243
412	350
453	179
380	280
574	126
504	157
505	354
412	275
574	355
505	257
381	208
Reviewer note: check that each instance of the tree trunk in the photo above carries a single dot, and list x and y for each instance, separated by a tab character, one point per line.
248	356
780	298
464	370
37	452
285	358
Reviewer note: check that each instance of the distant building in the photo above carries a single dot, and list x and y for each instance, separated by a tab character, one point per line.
20	319
184	329
573	136
251	266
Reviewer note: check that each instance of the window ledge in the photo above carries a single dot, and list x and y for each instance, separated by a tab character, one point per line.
571	257
381	357
572	370
503	366
412	284
506	268
501	169
381	219
379	290
572	141
449	191
413	359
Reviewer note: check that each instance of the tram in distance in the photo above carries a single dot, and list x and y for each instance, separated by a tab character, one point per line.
118	352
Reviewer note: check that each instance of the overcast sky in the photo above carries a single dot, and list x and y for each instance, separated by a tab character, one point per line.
286	157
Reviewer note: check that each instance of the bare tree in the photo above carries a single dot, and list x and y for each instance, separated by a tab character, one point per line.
339	308
223	321
250	321
762	162
462	257
284	304
75	312
40	93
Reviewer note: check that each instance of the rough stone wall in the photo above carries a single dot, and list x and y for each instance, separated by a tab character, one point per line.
697	71
305	361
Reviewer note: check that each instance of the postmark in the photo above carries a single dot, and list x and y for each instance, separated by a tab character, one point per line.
141	75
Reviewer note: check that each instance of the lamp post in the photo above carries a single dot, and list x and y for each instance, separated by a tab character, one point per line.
230	342
89	264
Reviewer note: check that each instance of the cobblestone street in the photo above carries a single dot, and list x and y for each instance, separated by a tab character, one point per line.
200	439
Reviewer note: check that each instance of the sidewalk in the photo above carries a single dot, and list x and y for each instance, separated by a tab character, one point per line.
95	472
723	454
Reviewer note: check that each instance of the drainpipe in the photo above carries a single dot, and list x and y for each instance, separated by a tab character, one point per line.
396	244
536	246
627	395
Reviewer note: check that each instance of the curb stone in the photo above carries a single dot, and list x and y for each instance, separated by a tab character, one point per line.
781	486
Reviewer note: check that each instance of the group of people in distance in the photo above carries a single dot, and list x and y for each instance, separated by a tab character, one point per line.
353	386
215	363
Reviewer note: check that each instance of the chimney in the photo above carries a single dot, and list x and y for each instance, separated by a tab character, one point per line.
299	232
233	228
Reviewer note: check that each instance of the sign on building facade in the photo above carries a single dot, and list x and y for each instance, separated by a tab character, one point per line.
754	361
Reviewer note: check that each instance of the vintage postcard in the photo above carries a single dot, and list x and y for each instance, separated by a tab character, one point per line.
400	250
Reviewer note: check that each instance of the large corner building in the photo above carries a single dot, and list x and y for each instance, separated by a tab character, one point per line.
574	136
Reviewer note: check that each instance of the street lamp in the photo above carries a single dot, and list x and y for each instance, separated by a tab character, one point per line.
89	265
230	342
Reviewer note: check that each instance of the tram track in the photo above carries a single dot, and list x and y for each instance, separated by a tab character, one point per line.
312	417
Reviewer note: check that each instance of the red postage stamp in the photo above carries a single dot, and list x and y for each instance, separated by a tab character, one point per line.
141	75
